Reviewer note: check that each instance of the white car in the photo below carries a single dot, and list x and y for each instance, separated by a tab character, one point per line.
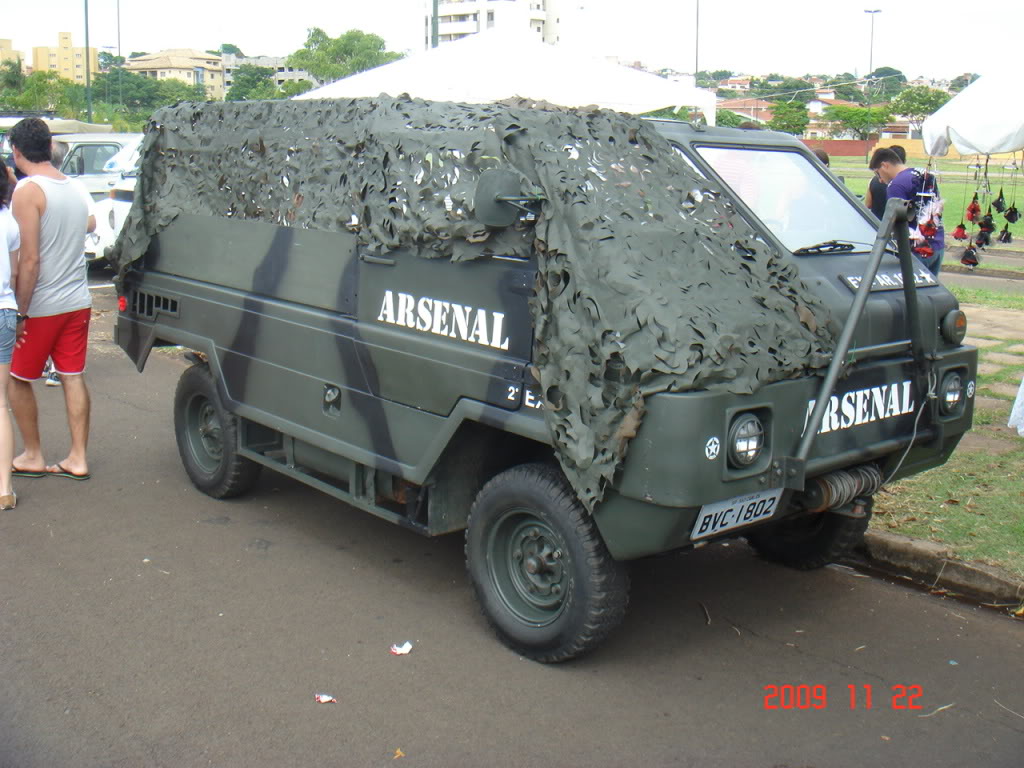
90	157
112	210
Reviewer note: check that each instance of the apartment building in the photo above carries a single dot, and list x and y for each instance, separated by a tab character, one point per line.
279	64
7	52
457	19
184	64
65	59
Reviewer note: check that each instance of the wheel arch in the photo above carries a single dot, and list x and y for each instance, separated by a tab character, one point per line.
475	453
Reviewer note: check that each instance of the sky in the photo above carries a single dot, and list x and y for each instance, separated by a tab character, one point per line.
791	37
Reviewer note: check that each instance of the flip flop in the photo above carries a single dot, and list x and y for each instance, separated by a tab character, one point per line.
61	472
15	472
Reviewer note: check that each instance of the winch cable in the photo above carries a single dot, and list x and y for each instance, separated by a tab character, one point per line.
933	382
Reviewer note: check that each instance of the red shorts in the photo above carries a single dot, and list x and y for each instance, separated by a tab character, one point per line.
63	338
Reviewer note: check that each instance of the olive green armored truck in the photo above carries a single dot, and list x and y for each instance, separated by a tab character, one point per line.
581	337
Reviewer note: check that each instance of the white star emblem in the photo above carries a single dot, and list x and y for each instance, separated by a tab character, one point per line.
712	448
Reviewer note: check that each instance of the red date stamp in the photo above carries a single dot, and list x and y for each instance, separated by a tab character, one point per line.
858	696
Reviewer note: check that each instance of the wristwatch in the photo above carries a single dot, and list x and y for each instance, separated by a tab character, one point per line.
22	317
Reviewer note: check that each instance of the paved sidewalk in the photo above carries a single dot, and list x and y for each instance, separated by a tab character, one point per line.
989	330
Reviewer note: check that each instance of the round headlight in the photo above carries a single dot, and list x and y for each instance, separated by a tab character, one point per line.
746	440
951	394
954	326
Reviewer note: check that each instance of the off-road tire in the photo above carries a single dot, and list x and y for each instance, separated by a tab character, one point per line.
809	542
207	437
530	510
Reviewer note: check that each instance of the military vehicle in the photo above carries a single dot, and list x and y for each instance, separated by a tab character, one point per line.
582	337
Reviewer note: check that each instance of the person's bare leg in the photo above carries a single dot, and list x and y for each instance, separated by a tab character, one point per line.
6	437
76	398
26	414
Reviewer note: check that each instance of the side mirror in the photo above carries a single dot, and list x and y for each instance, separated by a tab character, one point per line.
499	198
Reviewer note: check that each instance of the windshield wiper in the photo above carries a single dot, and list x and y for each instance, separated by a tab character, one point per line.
829	246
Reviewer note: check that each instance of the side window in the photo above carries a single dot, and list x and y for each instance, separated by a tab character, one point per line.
88	158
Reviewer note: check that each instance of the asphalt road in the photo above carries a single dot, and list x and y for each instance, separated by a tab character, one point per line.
144	624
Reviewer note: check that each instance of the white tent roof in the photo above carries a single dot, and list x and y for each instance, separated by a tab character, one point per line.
489	67
985	118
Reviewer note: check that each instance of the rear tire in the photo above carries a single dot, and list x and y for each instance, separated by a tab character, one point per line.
207	436
542	574
810	542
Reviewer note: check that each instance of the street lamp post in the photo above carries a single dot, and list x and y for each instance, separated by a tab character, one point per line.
871	49
88	74
696	45
433	25
871	68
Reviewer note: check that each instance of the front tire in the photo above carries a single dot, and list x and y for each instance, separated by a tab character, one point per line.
542	574
810	542
207	436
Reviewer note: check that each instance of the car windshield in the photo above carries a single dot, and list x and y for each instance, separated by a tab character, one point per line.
790	196
126	159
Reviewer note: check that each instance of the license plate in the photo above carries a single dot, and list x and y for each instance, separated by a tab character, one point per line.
735	513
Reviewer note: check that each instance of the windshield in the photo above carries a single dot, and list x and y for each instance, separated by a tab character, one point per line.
126	159
790	196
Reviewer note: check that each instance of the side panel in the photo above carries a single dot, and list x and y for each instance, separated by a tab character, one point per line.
293	323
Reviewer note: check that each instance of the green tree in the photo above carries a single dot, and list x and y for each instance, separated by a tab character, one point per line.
917	103
12	76
791	87
962	81
231	48
295	87
109	60
721	74
860	121
44	90
130	89
331	58
789	117
728	118
252	83
172	91
886	82
845	88
136	54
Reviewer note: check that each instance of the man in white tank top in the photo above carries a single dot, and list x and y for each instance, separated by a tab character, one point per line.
54	213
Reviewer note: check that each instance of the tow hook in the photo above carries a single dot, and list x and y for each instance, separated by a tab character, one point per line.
859	508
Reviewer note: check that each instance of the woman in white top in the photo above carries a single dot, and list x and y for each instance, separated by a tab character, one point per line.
10	242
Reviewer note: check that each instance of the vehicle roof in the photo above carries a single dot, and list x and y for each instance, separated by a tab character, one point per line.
97	138
718	134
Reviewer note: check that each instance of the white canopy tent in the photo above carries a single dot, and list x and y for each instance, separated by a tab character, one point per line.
985	118
489	67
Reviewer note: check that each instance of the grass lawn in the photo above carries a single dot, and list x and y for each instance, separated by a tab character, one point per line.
987	297
973	502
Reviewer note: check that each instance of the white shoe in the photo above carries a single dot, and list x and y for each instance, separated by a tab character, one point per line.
52	379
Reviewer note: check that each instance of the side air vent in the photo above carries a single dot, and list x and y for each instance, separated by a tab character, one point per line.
149	305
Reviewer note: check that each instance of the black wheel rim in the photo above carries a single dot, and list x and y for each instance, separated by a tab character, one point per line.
205	433
527	561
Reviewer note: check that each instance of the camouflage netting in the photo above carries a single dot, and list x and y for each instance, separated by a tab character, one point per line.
648	280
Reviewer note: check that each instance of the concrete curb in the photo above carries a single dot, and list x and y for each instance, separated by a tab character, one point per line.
982	271
933	565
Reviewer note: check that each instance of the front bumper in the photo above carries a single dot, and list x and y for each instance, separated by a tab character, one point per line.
671	471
